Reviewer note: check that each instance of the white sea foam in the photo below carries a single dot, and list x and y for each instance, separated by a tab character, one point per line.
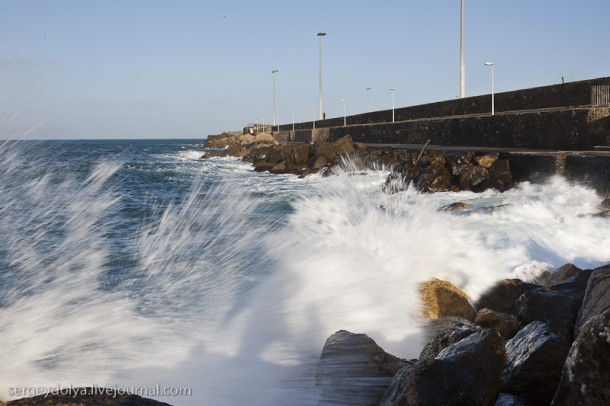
236	301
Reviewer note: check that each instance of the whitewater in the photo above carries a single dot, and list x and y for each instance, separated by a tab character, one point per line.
136	264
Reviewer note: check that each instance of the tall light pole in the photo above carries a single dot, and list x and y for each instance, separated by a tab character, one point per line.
368	94
492	86
344	113
275	120
321	34
392	90
292	114
462	50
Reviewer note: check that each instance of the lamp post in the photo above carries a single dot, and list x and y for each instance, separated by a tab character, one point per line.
292	114
344	113
275	120
368	93
313	119
462	49
263	124
321	34
392	90
492	86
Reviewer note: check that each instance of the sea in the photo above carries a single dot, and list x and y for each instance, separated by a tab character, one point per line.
137	265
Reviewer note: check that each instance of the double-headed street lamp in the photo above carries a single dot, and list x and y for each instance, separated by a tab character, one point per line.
392	90
321	34
492	86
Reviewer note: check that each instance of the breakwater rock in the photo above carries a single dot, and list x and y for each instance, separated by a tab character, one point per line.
544	343
428	171
86	397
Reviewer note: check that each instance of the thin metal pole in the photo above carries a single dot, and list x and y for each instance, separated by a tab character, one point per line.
321	34
275	121
392	90
344	114
368	99
292	114
462	49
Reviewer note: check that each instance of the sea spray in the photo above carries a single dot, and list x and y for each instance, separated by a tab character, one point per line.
160	270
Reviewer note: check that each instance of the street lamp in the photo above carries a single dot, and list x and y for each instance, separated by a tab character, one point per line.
292	114
263	124
321	34
492	86
344	113
313	119
368	92
275	120
392	90
462	48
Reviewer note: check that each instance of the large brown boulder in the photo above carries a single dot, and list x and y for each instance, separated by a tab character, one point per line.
597	297
468	372
534	359
443	299
445	332
586	372
353	369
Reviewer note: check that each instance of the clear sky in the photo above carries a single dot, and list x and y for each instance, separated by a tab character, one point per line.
186	69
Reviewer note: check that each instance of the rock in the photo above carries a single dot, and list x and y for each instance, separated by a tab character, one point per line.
442	299
344	146
534	359
505	324
603	214
86	397
605	204
457	206
556	305
500	175
487	160
238	150
353	369
597	297
586	372
559	275
468	372
507	399
502	296
444	332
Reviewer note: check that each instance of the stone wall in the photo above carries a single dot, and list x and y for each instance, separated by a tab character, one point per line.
570	94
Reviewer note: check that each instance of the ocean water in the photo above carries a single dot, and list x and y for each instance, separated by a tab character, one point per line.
134	264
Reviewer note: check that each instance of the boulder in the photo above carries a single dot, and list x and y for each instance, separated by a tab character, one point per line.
534	359
444	332
344	146
457	206
559	275
505	324
597	297
556	305
86	397
442	299
468	372
353	369
487	160
500	175
586	372
507	399
502	296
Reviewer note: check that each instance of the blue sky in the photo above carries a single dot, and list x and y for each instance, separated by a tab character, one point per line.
186	69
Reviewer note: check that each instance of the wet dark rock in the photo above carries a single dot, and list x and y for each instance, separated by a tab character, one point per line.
597	297
507	399
86	397
586	372
556	305
605	204
505	324
468	372
353	369
503	295
457	206
559	275
444	332
534	359
443	299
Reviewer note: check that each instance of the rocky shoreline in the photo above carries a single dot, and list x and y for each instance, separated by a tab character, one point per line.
521	344
429	171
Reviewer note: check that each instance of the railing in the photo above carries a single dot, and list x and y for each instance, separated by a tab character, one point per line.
600	95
